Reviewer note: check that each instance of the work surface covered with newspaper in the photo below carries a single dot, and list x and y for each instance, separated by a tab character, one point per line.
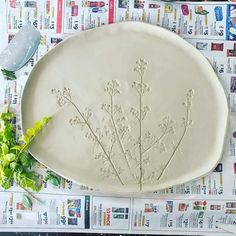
191	208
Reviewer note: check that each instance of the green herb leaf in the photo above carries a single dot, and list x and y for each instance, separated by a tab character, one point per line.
25	138
4	149
6	185
16	147
27	203
55	181
10	157
53	178
13	165
9	75
30	132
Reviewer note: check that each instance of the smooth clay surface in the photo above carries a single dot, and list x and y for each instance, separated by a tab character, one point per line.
135	108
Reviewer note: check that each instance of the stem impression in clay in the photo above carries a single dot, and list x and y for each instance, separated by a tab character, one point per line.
117	140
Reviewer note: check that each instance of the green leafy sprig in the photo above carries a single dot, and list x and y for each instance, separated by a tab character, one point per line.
15	161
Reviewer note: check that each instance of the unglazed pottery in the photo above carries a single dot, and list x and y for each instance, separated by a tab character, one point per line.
135	108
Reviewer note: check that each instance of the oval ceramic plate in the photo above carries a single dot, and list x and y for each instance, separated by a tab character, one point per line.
134	106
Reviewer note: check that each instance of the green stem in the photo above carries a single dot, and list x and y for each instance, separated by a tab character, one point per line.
31	194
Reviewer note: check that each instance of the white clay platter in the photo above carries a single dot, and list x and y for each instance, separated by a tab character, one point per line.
135	109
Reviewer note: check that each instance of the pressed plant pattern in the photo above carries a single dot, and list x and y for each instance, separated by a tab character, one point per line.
117	139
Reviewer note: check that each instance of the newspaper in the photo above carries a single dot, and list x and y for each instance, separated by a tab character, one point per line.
191	208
